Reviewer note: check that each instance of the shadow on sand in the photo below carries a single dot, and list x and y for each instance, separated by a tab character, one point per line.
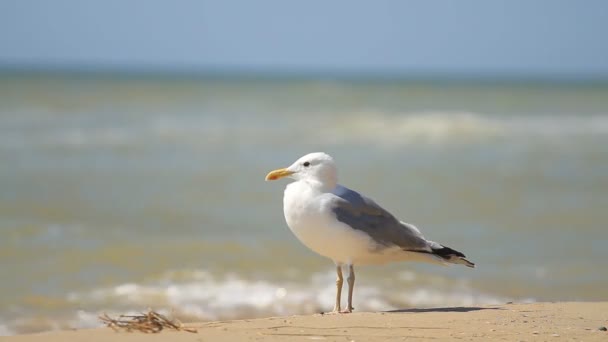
452	309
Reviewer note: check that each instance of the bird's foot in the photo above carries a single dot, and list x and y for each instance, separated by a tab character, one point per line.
349	310
337	311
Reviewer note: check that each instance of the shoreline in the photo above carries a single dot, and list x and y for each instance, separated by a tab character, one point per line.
521	322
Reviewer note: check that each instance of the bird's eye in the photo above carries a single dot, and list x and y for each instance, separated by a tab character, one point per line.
306	164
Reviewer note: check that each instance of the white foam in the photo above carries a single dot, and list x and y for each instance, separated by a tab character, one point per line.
460	127
365	127
200	295
427	127
209	297
5	331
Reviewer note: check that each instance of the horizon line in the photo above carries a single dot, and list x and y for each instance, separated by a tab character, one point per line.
319	74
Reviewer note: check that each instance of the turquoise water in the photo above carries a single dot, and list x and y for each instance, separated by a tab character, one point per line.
121	194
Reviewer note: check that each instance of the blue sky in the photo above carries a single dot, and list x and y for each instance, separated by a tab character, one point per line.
461	37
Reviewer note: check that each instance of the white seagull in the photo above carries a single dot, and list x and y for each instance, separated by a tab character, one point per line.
347	227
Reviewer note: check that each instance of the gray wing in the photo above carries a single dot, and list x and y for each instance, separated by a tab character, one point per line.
363	214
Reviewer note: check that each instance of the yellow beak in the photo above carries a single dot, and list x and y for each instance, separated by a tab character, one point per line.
280	173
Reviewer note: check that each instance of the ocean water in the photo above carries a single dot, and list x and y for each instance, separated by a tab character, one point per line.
122	194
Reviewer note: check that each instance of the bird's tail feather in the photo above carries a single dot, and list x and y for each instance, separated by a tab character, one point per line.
452	256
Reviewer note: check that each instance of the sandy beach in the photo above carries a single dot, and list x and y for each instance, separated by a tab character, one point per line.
509	322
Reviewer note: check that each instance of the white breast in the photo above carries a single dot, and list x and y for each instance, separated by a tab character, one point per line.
313	223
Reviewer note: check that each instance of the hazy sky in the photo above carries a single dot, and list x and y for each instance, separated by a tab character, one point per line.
526	37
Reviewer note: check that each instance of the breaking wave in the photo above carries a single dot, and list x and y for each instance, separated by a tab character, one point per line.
464	127
198	295
389	129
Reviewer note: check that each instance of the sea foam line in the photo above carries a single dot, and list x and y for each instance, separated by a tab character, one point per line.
369	127
195	295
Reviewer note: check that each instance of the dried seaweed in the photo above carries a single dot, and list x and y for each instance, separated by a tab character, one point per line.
150	322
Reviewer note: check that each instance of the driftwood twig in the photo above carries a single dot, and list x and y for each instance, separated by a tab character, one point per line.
150	322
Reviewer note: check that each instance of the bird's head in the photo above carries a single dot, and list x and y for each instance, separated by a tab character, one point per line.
316	166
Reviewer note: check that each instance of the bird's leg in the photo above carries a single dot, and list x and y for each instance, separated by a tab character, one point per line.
339	282
351	287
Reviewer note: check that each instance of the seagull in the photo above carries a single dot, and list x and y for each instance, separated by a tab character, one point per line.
348	227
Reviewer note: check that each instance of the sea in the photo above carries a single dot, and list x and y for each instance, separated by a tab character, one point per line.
120	194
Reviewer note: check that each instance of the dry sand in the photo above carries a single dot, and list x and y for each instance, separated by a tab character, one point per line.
509	322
